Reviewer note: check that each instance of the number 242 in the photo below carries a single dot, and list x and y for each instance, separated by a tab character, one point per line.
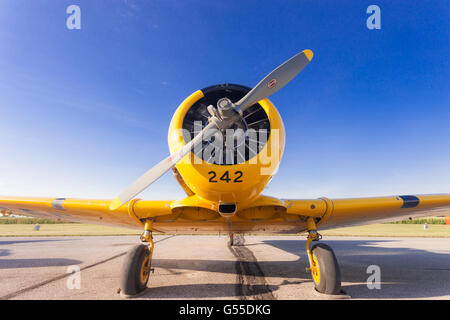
225	176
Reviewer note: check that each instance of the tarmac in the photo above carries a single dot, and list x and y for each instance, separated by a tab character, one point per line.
204	267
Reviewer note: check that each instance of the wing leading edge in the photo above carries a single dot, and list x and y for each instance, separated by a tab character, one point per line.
358	211
85	210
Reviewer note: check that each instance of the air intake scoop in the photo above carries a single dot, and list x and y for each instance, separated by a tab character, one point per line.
227	209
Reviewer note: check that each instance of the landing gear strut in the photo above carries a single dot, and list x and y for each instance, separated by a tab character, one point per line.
230	239
323	264
137	265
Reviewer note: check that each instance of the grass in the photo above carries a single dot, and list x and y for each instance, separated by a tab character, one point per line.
30	221
65	229
392	230
433	220
78	229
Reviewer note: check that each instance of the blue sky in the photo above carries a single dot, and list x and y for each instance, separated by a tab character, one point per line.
83	113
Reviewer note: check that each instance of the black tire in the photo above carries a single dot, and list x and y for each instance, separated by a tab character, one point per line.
330	274
132	281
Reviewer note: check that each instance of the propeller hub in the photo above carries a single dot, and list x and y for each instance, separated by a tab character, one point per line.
225	107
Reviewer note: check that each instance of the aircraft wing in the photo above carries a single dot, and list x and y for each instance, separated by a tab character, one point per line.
357	211
85	210
266	214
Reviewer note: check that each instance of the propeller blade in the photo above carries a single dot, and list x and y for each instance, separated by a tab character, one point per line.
276	80
162	167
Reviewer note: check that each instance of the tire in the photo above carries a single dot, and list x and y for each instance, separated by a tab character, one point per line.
329	273
134	278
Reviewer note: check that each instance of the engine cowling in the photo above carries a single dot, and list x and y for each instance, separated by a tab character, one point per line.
235	176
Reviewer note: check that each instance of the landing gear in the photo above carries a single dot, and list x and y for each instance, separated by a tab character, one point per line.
235	239
323	263
327	276
137	266
230	242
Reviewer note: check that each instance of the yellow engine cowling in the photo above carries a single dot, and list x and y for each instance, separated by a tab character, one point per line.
239	183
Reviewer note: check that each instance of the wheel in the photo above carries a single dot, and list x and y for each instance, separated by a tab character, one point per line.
135	270
328	277
230	240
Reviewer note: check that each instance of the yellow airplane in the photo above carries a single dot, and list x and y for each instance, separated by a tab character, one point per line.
226	142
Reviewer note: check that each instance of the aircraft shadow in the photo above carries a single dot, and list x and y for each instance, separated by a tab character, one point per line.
210	290
36	263
10	242
5	252
405	272
32	263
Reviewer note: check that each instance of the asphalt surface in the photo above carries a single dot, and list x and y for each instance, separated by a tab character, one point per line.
203	267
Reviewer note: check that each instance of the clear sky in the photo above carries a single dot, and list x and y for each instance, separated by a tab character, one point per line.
84	112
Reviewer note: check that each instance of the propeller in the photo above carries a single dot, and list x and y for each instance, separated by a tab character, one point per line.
221	118
162	167
276	80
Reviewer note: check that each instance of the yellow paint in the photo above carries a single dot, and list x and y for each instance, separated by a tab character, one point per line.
380	209
131	212
264	215
195	171
315	270
309	54
116	203
145	270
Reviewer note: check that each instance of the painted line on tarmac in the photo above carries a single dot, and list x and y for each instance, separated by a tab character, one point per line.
43	283
250	282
